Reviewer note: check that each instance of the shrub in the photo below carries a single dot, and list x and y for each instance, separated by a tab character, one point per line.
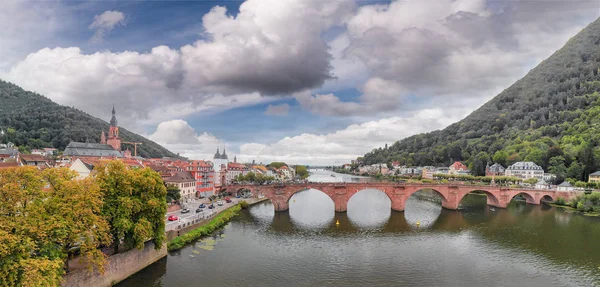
560	201
243	204
219	221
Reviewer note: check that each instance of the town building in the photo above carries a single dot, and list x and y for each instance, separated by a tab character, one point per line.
495	169
458	168
565	186
525	170
186	184
542	184
594	177
204	174
220	162
33	160
234	170
110	147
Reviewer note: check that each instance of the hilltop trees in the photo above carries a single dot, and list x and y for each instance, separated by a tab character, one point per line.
553	111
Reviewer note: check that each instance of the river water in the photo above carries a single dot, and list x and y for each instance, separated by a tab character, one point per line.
523	245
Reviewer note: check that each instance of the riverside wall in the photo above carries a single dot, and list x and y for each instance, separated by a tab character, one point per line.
118	268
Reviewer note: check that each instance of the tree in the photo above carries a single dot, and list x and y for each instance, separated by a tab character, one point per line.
134	204
536	155
556	165
277	164
586	157
250	176
500	157
478	165
575	171
515	157
40	228
301	171
77	222
173	193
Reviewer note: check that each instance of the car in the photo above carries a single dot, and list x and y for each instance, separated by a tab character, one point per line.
185	210
199	210
202	206
173	217
211	206
220	203
238	196
228	200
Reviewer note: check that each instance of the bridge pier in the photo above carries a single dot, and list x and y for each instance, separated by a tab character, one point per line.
281	205
341	205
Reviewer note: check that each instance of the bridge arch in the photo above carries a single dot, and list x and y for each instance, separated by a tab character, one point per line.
529	198
547	198
442	192
492	199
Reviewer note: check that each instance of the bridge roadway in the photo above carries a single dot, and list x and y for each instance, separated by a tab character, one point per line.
451	194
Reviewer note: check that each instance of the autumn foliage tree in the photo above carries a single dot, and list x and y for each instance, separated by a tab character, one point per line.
46	216
134	204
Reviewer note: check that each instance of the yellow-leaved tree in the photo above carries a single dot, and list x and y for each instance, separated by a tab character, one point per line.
45	217
134	204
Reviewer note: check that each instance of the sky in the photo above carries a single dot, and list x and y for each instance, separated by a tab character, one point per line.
314	82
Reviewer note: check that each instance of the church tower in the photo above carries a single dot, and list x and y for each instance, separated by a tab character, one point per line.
113	133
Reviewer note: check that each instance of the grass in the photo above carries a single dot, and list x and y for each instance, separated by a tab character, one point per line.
217	222
571	209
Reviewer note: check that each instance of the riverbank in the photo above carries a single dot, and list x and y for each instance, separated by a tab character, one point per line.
574	210
208	227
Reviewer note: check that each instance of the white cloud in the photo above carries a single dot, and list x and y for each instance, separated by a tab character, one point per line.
179	137
106	22
343	145
277	110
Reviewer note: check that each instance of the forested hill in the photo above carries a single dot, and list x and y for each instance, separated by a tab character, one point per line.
34	121
552	112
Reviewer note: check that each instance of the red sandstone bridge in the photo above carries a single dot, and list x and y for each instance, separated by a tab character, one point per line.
451	194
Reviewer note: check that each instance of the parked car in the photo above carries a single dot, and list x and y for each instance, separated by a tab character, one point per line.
238	196
199	210
202	206
220	203
185	210
173	217
228	200
211	206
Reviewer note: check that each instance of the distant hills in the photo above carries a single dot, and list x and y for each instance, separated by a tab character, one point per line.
34	121
551	117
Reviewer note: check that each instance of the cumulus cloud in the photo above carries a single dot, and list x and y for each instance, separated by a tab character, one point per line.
106	22
346	144
179	137
277	110
269	47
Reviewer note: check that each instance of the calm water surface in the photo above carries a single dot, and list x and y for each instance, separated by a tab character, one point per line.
523	245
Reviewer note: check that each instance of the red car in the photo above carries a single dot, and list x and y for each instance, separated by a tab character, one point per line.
173	217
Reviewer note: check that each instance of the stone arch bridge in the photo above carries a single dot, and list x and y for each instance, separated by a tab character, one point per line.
451	194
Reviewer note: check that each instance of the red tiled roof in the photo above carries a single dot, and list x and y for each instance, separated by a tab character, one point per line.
8	164
458	166
32	157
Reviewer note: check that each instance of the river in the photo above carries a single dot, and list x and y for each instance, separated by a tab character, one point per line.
523	245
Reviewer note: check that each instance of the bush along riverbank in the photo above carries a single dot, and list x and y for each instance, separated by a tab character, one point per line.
588	204
217	222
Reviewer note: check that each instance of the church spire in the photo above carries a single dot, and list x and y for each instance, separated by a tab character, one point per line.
113	120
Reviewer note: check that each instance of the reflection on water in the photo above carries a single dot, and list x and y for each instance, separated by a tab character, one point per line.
311	209
369	209
523	245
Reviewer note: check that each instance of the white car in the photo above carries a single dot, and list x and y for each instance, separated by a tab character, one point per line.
220	203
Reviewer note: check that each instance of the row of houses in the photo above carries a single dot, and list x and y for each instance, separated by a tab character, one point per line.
523	170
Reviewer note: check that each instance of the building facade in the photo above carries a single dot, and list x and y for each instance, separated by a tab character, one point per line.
594	177
204	174
495	169
186	184
525	170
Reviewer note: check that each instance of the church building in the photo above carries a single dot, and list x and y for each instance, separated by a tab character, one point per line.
108	147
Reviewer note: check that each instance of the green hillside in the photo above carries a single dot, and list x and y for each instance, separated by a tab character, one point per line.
551	117
34	121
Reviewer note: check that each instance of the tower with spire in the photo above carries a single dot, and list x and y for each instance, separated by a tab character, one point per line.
113	132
